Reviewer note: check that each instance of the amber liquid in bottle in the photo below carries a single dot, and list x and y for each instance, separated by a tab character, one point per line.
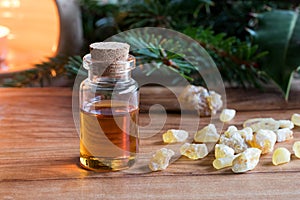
108	139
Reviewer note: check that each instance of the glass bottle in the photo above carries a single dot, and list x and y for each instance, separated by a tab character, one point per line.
109	107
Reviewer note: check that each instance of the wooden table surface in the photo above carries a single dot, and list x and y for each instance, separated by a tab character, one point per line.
39	152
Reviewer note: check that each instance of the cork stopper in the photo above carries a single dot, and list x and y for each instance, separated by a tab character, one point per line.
108	59
109	52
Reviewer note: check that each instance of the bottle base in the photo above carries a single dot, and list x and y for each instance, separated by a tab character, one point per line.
106	164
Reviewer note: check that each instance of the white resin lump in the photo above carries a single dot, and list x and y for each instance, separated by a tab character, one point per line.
222	150
264	140
200	99
224	156
160	160
246	161
227	115
173	136
284	134
194	151
207	134
286	124
233	138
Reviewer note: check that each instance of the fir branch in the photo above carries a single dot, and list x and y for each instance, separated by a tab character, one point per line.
73	67
164	13
43	73
237	61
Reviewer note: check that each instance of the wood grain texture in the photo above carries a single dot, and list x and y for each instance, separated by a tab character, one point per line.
39	150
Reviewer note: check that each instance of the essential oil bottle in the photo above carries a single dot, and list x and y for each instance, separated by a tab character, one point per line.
109	108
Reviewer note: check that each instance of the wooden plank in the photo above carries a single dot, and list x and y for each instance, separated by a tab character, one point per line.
245	186
39	149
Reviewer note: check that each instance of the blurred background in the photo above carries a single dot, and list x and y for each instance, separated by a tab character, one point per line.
253	43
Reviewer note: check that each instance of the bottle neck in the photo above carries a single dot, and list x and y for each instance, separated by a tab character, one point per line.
97	76
99	71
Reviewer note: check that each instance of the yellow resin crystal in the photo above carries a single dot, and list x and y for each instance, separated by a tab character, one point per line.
246	160
262	123
296	149
280	156
160	160
207	134
296	119
222	150
264	140
284	134
194	151
220	163
227	115
173	136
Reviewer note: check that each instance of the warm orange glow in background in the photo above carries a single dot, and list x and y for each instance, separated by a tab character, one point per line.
34	32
